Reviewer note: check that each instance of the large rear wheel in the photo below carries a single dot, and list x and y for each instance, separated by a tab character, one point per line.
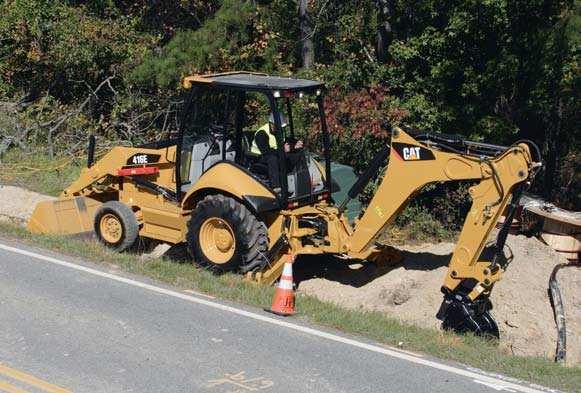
225	236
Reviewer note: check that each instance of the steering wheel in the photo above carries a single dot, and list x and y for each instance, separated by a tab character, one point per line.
219	132
218	129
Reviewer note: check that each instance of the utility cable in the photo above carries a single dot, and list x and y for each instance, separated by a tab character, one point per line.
559	312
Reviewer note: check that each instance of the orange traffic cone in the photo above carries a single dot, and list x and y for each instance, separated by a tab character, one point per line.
283	302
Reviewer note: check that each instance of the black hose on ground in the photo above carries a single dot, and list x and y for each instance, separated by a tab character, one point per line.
559	312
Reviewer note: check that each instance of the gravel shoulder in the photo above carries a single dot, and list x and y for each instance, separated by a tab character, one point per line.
17	204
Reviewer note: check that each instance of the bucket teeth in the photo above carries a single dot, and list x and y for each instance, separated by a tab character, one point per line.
462	315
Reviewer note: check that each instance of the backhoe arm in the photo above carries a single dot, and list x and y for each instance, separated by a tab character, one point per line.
413	165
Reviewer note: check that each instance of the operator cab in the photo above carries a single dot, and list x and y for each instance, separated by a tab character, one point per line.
223	116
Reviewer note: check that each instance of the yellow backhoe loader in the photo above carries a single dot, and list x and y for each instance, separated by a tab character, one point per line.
207	187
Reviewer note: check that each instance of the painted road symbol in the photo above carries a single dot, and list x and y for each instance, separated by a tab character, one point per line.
239	383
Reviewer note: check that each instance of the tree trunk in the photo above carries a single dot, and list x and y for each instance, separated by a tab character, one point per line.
384	31
554	139
307	50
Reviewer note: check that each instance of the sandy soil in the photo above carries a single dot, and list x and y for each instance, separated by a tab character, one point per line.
410	291
17	204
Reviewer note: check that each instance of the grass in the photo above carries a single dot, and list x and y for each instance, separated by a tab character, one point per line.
470	350
38	172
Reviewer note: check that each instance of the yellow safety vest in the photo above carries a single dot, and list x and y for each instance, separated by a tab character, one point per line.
271	139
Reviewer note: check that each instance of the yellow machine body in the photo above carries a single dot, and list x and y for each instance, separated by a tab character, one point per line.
144	179
73	212
164	219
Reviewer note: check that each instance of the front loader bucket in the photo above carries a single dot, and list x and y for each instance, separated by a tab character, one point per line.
64	217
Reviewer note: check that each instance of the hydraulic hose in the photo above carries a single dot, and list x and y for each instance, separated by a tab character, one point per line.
532	144
559	312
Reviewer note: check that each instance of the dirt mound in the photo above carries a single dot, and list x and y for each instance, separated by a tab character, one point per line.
411	292
17	204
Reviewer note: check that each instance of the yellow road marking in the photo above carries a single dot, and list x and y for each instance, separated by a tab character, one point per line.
31	380
239	380
8	388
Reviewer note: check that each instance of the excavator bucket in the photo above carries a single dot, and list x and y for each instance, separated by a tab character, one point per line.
64	217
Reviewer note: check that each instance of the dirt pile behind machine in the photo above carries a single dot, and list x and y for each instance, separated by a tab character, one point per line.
208	188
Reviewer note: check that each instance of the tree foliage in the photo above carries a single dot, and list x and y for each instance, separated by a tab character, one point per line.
492	70
51	48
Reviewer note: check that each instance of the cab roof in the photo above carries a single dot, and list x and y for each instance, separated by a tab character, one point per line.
252	81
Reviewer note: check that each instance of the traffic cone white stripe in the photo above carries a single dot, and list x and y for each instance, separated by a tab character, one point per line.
287	270
285	284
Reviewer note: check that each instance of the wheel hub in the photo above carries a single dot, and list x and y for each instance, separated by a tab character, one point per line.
111	228
217	240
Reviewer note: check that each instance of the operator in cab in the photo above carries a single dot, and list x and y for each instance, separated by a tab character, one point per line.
265	144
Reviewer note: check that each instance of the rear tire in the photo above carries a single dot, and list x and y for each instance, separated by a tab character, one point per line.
224	235
116	226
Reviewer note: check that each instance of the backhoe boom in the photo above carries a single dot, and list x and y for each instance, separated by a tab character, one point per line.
413	165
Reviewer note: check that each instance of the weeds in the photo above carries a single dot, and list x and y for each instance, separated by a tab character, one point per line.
38	172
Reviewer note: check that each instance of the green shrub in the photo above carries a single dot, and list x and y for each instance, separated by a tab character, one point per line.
49	46
419	224
232	39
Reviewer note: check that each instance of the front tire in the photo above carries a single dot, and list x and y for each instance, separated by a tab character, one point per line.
116	226
224	235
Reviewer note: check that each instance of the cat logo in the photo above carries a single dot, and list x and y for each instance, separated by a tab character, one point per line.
411	153
408	152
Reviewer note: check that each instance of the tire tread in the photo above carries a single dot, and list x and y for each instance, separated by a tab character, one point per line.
251	233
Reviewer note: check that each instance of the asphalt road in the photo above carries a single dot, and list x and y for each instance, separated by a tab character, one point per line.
67	325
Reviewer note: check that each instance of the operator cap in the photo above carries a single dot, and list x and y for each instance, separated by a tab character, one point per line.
283	119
